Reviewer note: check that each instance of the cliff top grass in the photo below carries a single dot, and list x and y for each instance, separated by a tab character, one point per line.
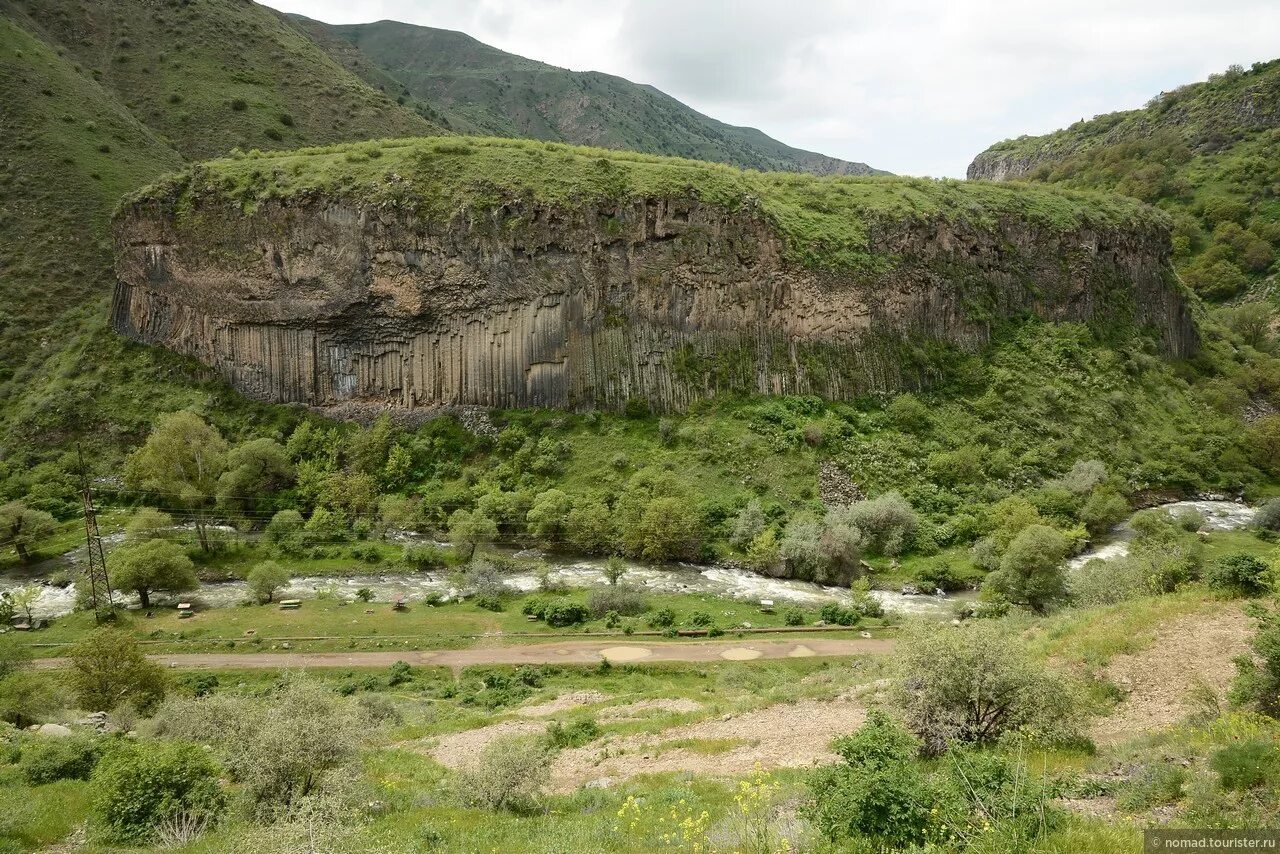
824	221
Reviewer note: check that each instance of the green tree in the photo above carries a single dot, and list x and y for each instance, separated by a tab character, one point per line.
800	547
254	471
748	524
23	599
266	578
1104	509
548	515
469	528
670	529
136	787
183	458
284	532
589	526
1032	572
24	527
614	569
878	793
108	668
147	523
152	565
325	527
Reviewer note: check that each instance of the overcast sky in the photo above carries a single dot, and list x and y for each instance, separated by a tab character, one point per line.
913	86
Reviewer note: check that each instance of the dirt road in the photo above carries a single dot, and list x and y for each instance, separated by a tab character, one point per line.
571	652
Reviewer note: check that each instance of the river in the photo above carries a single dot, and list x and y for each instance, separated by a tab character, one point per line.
580	572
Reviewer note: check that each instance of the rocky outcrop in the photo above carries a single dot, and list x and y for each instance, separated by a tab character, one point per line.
325	298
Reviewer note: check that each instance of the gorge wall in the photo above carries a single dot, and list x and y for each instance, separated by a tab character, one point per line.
412	286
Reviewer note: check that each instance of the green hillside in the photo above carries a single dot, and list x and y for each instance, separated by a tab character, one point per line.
68	152
211	75
97	99
482	90
1209	153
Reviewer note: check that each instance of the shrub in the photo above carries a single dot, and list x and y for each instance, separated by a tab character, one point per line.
1239	574
1153	785
364	594
238	105
279	746
939	576
108	668
887	522
574	734
489	603
508	774
1105	582
46	760
877	793
1267	516
563	615
793	617
423	556
399	673
838	615
1246	764
622	600
972	683
663	618
1258	672
138	787
700	620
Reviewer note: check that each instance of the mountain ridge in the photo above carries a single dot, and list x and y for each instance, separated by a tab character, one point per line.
480	89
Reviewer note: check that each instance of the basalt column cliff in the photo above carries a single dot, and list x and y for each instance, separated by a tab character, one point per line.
423	273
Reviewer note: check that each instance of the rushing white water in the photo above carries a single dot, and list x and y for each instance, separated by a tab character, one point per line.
579	572
1219	515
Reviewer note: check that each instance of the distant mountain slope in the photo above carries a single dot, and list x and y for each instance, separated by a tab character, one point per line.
1208	153
68	151
211	75
480	89
97	99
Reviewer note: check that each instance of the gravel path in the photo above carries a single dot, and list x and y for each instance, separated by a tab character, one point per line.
570	652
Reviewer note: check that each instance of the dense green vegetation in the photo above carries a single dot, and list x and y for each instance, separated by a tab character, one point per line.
477	89
1205	152
825	221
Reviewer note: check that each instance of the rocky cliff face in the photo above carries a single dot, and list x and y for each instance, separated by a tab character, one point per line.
325	298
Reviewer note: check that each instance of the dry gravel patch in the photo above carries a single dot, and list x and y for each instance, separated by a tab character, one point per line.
1196	649
786	735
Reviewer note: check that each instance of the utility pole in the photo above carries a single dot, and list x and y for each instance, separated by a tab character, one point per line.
99	582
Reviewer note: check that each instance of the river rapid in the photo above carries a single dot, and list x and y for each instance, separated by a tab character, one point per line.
581	572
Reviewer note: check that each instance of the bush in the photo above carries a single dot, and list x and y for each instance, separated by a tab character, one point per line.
562	615
574	734
1246	764
508	774
836	614
623	600
1267	517
399	673
138	787
46	760
279	746
1238	574
887	522
971	684
939	576
699	620
793	617
877	794
663	618
423	556
489	603
108	668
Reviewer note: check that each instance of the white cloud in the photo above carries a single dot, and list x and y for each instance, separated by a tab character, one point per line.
916	87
